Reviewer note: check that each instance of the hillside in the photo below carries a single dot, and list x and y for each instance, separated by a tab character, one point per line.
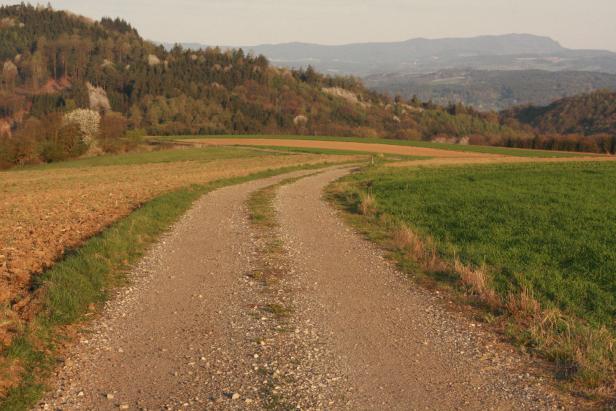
55	61
587	114
492	90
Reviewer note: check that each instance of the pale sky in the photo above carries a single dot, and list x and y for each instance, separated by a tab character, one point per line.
574	23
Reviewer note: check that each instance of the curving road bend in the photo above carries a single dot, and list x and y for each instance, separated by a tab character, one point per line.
190	332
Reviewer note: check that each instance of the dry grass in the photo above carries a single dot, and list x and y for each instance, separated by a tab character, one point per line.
367	204
477	280
523	305
425	252
581	353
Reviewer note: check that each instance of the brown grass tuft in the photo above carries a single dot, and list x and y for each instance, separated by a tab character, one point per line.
431	260
404	239
476	278
422	251
367	204
523	305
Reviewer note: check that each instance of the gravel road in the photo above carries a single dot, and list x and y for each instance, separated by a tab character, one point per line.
191	332
398	345
176	338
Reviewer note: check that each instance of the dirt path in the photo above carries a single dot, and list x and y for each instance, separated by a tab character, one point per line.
178	337
399	348
340	329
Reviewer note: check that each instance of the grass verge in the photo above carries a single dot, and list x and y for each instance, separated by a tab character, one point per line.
530	247
75	287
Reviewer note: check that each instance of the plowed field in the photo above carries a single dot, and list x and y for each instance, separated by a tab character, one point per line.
46	211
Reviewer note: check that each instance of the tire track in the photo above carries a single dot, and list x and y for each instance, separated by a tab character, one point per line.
178	337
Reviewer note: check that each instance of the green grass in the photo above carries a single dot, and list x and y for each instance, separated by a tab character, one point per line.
87	276
550	226
546	228
412	143
201	155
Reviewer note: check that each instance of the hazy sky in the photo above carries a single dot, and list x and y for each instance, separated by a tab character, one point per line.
575	23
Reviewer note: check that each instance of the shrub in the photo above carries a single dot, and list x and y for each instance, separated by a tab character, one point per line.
66	142
59	140
113	128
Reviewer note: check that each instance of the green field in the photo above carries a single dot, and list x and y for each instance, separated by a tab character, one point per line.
546	228
412	143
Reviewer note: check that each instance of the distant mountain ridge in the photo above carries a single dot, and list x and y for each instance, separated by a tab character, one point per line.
496	52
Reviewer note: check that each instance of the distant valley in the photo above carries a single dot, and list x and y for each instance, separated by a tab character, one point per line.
486	72
491	90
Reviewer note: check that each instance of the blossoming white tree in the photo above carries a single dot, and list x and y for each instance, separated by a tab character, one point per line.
88	121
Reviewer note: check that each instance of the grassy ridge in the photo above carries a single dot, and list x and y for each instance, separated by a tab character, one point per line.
540	232
87	276
412	143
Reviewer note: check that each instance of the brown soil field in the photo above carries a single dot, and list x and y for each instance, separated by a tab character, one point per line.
44	212
494	159
341	145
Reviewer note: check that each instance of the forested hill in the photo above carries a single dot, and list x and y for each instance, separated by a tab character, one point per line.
56	61
587	114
